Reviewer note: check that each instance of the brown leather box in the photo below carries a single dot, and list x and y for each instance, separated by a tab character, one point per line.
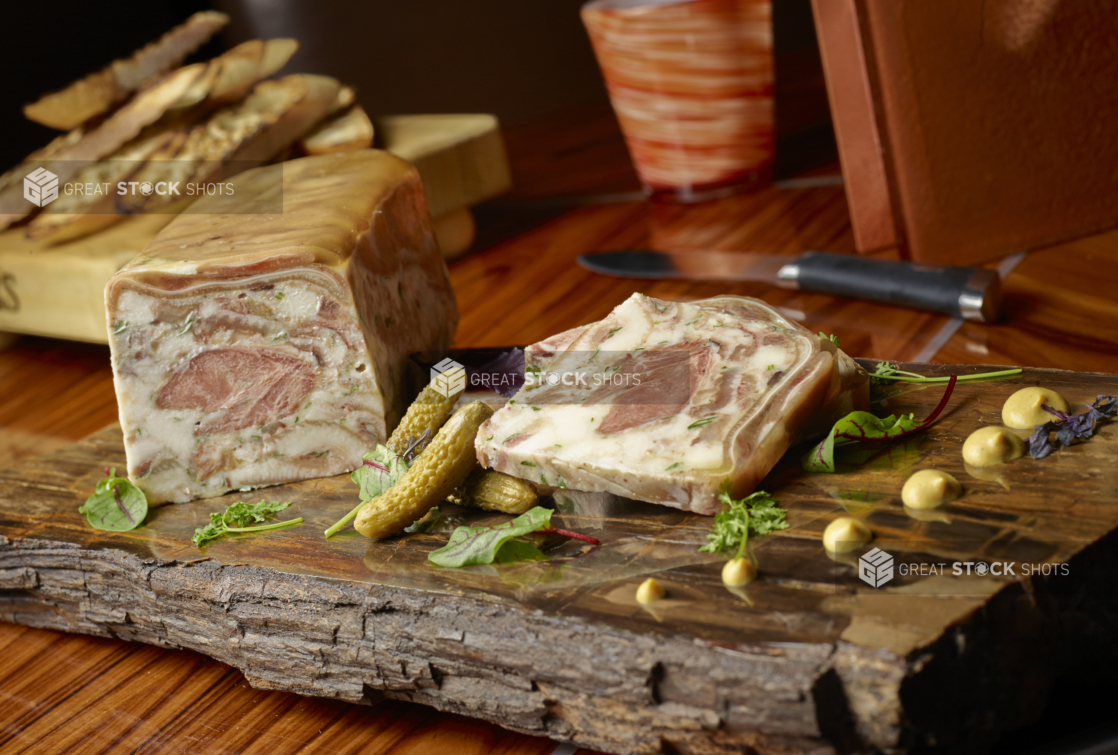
970	130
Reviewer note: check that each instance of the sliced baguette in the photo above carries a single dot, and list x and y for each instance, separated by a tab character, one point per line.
93	95
178	100
248	133
230	76
118	129
348	130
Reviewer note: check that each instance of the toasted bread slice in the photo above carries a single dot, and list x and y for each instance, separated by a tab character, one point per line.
230	76
118	129
93	95
240	136
348	130
235	138
177	100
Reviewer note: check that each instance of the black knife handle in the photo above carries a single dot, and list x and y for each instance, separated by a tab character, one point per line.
966	292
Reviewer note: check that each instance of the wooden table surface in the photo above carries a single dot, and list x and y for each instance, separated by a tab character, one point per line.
66	693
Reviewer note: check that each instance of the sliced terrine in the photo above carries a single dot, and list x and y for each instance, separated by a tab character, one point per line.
663	401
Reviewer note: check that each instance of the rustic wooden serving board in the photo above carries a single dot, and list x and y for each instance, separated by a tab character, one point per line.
805	659
58	290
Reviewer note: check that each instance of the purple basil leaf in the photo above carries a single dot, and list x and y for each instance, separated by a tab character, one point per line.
1060	416
1066	435
1039	444
504	373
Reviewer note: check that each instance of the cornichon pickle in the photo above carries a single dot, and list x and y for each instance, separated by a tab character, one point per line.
496	491
443	466
427	413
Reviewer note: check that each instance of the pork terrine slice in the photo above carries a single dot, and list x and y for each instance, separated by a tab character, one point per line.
663	401
255	347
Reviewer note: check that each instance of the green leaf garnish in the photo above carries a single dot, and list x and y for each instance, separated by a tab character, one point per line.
482	545
245	517
380	469
515	551
832	338
479	545
116	504
865	427
703	421
756	514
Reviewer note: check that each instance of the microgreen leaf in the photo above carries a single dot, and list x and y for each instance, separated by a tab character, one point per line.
702	422
484	545
242	517
479	545
865	427
380	470
832	338
756	514
116	504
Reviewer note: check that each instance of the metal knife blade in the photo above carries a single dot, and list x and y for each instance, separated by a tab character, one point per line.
970	293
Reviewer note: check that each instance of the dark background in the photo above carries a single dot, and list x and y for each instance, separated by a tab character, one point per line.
521	60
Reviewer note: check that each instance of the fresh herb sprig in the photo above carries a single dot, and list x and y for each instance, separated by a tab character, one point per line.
832	338
886	372
865	427
116	504
245	517
756	514
1070	427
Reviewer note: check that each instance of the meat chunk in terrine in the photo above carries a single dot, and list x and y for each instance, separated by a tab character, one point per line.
254	347
663	401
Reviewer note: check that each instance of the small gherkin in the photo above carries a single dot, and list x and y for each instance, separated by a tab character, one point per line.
426	415
443	466
495	491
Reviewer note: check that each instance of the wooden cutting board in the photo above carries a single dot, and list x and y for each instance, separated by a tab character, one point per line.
58	290
805	659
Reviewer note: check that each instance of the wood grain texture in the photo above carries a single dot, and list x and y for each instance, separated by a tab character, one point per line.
52	393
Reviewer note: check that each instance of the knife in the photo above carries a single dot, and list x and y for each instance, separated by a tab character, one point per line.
966	292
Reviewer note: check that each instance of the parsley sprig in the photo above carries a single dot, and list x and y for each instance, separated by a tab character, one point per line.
246	517
756	514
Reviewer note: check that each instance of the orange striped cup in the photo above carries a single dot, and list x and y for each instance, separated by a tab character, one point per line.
691	82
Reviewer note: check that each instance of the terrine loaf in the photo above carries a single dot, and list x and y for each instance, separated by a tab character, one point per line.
255	347
663	401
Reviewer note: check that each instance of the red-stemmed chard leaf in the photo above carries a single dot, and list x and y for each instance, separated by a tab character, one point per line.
863	427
